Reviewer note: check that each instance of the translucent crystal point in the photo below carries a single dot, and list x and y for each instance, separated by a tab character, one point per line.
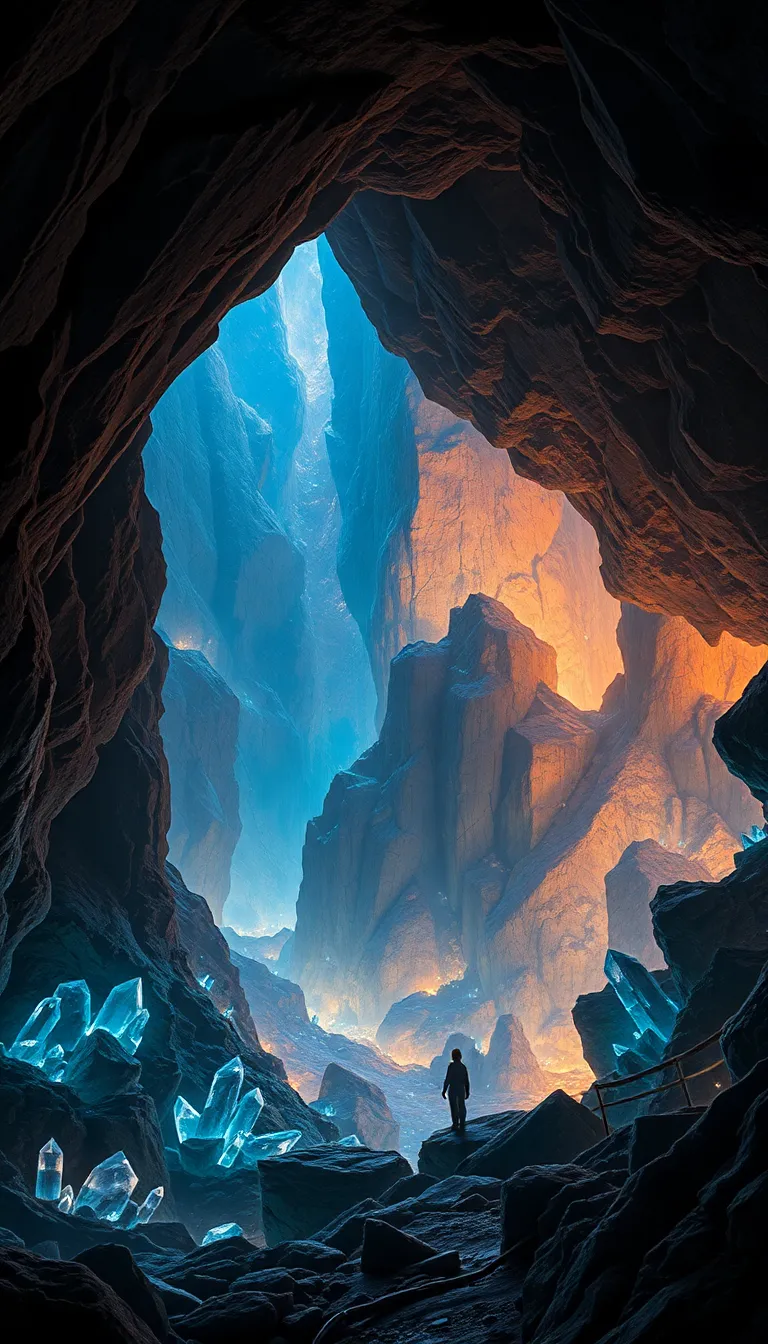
221	1233
67	1199
245	1117
186	1118
647	1004
128	1216
108	1188
255	1147
756	834
75	999
130	1037
30	1042
150	1206
50	1168
222	1100
206	982
228	1013
53	1065
351	1141
120	1008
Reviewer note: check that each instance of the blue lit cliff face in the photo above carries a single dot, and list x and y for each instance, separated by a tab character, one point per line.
238	471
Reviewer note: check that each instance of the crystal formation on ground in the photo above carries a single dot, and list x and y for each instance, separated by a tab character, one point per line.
221	1134
29	1045
108	1188
150	1206
50	1168
67	1200
756	834
123	1014
647	1004
60	1021
222	1100
256	1147
222	1233
351	1141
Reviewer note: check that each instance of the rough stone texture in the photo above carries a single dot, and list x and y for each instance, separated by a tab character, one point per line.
231	1319
630	887
99	1067
602	1021
304	1191
40	1297
509	1064
115	1266
745	1039
445	1150
556	1130
267	947
431	513
403	886
387	1249
200	727
358	1107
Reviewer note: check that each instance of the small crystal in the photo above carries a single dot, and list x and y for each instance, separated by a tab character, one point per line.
120	1008
255	1147
220	1106
50	1167
75	999
108	1188
228	1013
30	1042
756	834
151	1204
53	1065
205	982
647	1004
67	1199
246	1115
186	1118
351	1141
221	1233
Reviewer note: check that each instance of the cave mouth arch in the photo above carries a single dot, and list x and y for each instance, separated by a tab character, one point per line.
580	282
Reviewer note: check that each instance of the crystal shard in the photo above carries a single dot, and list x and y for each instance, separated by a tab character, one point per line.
120	1008
30	1042
222	1100
205	982
50	1168
255	1147
130	1037
75	1000
351	1141
67	1200
221	1233
186	1118
647	1004
756	834
108	1188
53	1064
246	1115
150	1206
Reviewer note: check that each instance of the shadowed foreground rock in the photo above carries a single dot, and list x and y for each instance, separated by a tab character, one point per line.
358	1107
305	1190
556	1130
39	1298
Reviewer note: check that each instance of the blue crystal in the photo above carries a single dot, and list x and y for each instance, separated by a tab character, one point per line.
53	1064
108	1188
647	1004
130	1037
222	1099
351	1141
186	1119
150	1206
30	1042
228	1013
255	1147
75	1001
756	834
222	1233
50	1168
67	1200
120	1009
246	1115
128	1216
206	982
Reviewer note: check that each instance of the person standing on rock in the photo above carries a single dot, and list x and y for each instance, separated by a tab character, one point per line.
457	1086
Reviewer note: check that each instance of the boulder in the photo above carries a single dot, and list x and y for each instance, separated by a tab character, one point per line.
556	1130
99	1067
233	1318
208	1200
443	1152
745	1038
387	1250
115	1266
409	1187
509	1065
38	1298
346	1231
358	1107
652	1135
303	1191
630	887
525	1196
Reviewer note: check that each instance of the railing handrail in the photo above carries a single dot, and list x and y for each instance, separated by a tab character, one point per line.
674	1062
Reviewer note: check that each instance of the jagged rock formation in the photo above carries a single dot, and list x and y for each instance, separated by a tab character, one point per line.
431	513
535	802
200	727
630	887
357	1106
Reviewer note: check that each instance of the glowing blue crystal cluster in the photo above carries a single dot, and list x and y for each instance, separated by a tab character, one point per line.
756	835
221	1135
59	1022
105	1193
652	1011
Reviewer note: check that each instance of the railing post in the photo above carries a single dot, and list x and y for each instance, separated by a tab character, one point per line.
683	1083
606	1126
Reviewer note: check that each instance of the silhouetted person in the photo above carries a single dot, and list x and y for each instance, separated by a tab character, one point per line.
457	1086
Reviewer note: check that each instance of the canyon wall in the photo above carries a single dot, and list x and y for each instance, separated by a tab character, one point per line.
474	839
431	513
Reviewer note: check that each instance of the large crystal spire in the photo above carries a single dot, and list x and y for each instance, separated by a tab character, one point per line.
50	1168
30	1042
186	1119
222	1100
647	1004
75	1002
108	1188
123	1014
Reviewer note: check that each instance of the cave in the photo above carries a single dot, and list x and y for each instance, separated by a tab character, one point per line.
385	392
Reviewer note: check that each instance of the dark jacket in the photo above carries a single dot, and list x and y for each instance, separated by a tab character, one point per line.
457	1078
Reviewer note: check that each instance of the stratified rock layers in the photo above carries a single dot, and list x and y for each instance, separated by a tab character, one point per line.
477	833
432	513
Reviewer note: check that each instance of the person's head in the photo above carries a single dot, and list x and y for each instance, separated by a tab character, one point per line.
456	1056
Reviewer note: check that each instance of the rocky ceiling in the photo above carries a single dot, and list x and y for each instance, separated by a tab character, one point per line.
590	289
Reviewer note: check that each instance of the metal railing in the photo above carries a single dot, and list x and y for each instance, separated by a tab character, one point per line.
682	1080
